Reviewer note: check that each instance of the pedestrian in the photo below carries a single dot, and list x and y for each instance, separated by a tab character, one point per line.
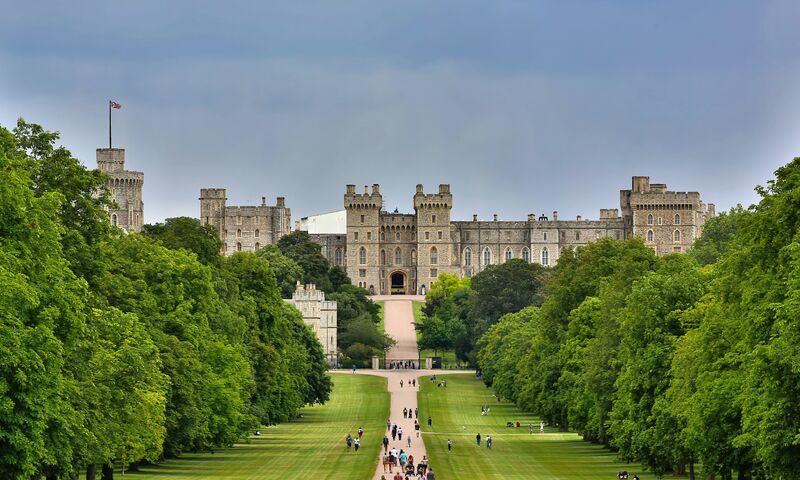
431	475
397	476
403	459
360	433
349	441
430	422
478	439
408	441
385	444
416	427
415	382
416	412
388	424
401	383
541	427
357	443
449	445
400	433
354	368
405	412
394	434
530	428
489	441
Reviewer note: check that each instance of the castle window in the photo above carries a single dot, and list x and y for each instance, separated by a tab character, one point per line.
413	257
114	219
355	236
383	237
677	219
487	257
257	233
362	218
362	256
369	235
238	247
433	218
676	249
434	256
545	257
509	254
427	235
337	257
440	234
649	235
578	235
258	245
468	273
526	255
660	221
397	236
238	233
544	236
362	272
676	236
238	219
383	257
466	236
650	219
434	273
398	257
467	257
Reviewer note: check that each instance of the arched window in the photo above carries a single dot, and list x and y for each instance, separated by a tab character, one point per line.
383	236
487	257
257	232
258	245
238	247
649	235
362	256
676	236
677	219
650	219
509	254
114	219
397	236
545	256
526	255
434	256
337	257
383	257
239	233
578	235
467	257
398	256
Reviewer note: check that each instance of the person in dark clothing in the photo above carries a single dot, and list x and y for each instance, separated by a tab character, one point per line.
430	422
478	439
385	444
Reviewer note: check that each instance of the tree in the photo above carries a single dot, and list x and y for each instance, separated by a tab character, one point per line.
299	247
188	234
287	271
718	233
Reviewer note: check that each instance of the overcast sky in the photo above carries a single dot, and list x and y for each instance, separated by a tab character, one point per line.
522	106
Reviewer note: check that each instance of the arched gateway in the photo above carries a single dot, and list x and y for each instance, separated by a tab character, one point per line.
399	283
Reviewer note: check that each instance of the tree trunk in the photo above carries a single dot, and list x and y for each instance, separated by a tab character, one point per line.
108	472
691	470
91	472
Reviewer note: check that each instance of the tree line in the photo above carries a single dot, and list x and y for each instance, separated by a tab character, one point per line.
117	349
686	363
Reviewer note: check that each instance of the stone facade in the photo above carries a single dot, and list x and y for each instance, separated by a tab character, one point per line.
125	187
244	229
387	252
320	315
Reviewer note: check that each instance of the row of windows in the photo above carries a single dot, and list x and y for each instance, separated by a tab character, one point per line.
676	236
509	254
239	246
434	256
439	236
677	219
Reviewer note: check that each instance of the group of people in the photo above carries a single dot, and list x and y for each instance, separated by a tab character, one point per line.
354	442
407	412
411	383
405	466
478	441
402	364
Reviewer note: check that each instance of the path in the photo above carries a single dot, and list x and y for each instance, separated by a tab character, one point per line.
398	315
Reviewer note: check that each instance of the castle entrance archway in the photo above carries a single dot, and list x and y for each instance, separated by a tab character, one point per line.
398	282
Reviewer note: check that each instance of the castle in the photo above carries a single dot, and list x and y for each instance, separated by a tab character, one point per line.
396	253
125	188
320	315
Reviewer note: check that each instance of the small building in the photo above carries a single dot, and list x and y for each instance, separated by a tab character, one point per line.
320	315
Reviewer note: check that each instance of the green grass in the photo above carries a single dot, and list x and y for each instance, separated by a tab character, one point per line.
456	414
417	306
309	448
381	324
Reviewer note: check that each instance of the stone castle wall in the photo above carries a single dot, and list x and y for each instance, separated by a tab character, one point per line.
125	188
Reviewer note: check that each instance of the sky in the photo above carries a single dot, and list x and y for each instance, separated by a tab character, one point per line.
521	106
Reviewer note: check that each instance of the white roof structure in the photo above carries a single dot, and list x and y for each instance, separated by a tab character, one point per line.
333	222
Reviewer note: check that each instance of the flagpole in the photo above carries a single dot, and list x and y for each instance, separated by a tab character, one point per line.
109	124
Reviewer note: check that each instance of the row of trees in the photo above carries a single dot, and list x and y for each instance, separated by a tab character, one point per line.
676	362
121	348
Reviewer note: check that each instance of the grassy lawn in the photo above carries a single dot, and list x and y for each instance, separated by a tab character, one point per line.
381	327
456	414
312	447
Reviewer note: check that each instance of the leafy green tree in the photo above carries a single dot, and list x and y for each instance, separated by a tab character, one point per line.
499	349
718	233
287	271
188	234
299	247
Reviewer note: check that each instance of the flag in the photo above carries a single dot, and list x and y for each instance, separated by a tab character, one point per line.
115	104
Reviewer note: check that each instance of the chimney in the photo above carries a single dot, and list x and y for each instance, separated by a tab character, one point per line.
419	188
444	188
280	202
366	190
579	218
263	201
494	217
474	217
351	189
555	215
376	189
531	217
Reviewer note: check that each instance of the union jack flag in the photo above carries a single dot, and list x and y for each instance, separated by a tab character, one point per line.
114	104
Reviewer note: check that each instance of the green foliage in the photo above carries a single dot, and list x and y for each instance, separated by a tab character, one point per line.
718	233
299	247
287	271
188	234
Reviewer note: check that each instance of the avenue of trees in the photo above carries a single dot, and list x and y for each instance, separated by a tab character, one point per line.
688	363
117	349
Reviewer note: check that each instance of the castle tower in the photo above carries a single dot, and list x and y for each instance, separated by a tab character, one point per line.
125	188
212	209
433	235
363	227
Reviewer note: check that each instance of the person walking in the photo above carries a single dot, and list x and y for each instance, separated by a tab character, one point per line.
416	412
394	433
349	441
401	383
408	441
388	424
400	433
405	413
360	432
385	444
416	427
430	422
489	441
430	475
449	445
541	427
478	439
530	428
357	443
